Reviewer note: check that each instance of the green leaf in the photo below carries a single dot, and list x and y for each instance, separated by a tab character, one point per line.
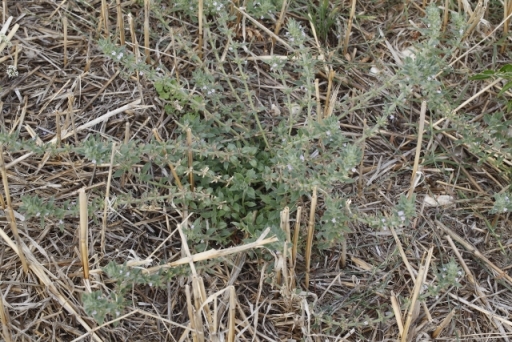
483	76
505	88
506	68
118	173
509	106
250	193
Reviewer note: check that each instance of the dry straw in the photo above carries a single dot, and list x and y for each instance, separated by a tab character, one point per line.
4	318
107	198
200	13
42	275
349	26
415	174
10	210
412	311
124	177
311	233
190	159
507	13
84	230
147	10
120	22
280	22
9	36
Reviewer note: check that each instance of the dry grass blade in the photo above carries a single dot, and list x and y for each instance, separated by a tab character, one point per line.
416	292
147	9
200	12
232	311
296	233
318	100
190	159
212	254
398	314
120	22
446	11
285	225
443	324
10	210
421	125
9	36
507	12
126	141
23	113
311	232
104	18
327	108
65	29
107	198
191	314
70	117
4	317
349	26
411	270
280	21
475	18
84	229
98	120
4	10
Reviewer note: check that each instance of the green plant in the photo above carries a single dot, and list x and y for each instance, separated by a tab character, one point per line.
502	203
245	174
38	207
447	275
101	306
95	149
323	18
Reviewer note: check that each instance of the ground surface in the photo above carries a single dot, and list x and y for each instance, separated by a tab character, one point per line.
64	76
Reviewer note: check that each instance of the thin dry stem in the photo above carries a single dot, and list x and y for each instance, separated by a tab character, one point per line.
147	10
349	26
10	210
443	324
280	21
311	232
416	292
200	13
232	311
84	230
120	22
398	314
4	318
107	198
65	48
104	18
190	159
421	125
